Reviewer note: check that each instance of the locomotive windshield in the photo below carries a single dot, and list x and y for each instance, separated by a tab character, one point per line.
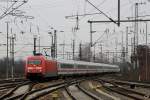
35	62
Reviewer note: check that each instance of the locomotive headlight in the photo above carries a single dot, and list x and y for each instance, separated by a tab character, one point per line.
40	70
28	70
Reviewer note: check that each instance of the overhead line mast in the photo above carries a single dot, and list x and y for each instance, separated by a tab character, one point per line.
118	12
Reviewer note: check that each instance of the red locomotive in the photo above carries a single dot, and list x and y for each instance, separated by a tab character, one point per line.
39	65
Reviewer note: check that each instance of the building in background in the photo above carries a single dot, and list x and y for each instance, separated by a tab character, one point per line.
142	57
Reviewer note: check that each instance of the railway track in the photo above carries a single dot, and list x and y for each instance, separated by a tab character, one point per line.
33	93
112	86
93	96
75	92
49	89
7	84
95	89
12	80
13	93
35	90
129	83
132	84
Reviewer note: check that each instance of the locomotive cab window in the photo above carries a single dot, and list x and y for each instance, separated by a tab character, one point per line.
35	62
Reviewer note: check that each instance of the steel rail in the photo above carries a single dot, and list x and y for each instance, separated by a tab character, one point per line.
145	85
12	80
9	84
68	92
88	93
129	83
120	90
37	90
14	89
20	95
54	88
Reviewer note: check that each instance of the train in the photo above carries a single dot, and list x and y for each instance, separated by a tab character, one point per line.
41	66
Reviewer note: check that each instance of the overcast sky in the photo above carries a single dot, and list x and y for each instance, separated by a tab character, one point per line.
51	13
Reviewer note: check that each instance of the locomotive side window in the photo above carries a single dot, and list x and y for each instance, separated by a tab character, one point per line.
35	62
67	66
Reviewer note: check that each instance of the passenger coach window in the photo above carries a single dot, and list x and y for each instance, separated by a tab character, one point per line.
94	67
82	66
66	66
35	62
